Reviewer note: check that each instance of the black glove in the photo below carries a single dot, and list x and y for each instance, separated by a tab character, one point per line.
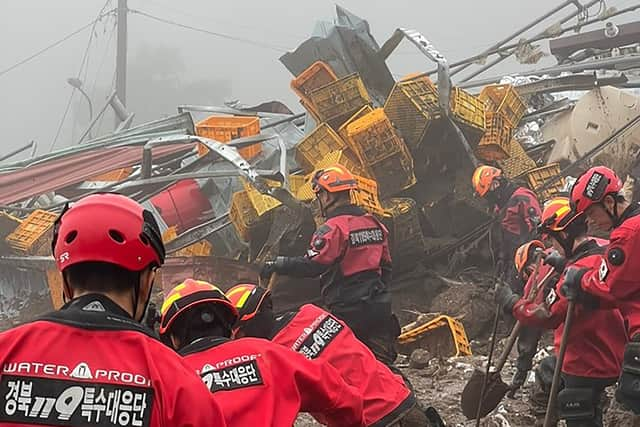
273	266
557	261
571	283
506	298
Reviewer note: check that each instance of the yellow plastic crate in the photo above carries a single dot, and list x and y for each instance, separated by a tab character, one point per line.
226	128
366	196
458	335
373	138
260	202
345	158
300	186
412	106
406	238
518	162
496	141
342	130
394	174
243	215
54	280
504	99
338	101
201	248
315	146
33	236
536	179
467	109
314	77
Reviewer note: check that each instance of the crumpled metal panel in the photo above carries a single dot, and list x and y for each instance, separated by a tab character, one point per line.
48	176
347	47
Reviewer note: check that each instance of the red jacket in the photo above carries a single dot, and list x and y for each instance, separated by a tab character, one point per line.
517	214
91	364
259	383
616	275
529	312
320	336
597	337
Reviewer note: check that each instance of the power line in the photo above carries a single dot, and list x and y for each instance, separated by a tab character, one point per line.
82	64
51	46
212	33
103	60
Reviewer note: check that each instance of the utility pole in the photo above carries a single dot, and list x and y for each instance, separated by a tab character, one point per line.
121	55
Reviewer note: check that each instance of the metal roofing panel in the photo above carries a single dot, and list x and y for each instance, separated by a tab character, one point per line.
48	176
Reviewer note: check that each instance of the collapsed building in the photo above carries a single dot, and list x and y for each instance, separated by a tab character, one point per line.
231	188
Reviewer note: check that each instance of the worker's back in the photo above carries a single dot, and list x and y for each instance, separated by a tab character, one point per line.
258	383
318	335
91	364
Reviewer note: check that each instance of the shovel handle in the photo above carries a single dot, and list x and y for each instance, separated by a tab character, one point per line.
272	280
513	336
555	385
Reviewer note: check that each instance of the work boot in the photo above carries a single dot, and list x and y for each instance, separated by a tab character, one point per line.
517	381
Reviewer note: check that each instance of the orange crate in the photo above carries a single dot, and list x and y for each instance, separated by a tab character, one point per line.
113	176
342	131
504	99
467	109
33	236
373	137
366	196
496	140
54	280
338	101
226	128
201	248
539	176
317	75
315	146
412	107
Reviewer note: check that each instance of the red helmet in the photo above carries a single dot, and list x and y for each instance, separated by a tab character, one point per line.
592	186
248	299
108	228
189	294
334	179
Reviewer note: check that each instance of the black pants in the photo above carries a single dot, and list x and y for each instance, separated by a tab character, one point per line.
527	347
373	323
597	386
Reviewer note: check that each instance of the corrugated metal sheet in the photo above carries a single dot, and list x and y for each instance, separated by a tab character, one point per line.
38	179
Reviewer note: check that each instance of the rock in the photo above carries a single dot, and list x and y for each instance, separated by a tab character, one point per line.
419	359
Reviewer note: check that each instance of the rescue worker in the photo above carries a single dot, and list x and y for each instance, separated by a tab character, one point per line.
615	277
518	212
350	253
318	335
597	336
258	383
92	362
529	336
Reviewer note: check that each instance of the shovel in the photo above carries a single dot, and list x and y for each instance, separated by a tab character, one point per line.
548	421
495	389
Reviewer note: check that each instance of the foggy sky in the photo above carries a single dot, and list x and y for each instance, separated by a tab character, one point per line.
33	96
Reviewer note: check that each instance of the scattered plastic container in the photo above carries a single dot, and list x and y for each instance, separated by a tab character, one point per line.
496	141
504	99
201	248
33	236
467	109
338	101
54	280
315	146
518	162
412	106
538	177
366	196
394	174
314	77
373	138
243	215
226	128
262	203
345	158
342	130
405	234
